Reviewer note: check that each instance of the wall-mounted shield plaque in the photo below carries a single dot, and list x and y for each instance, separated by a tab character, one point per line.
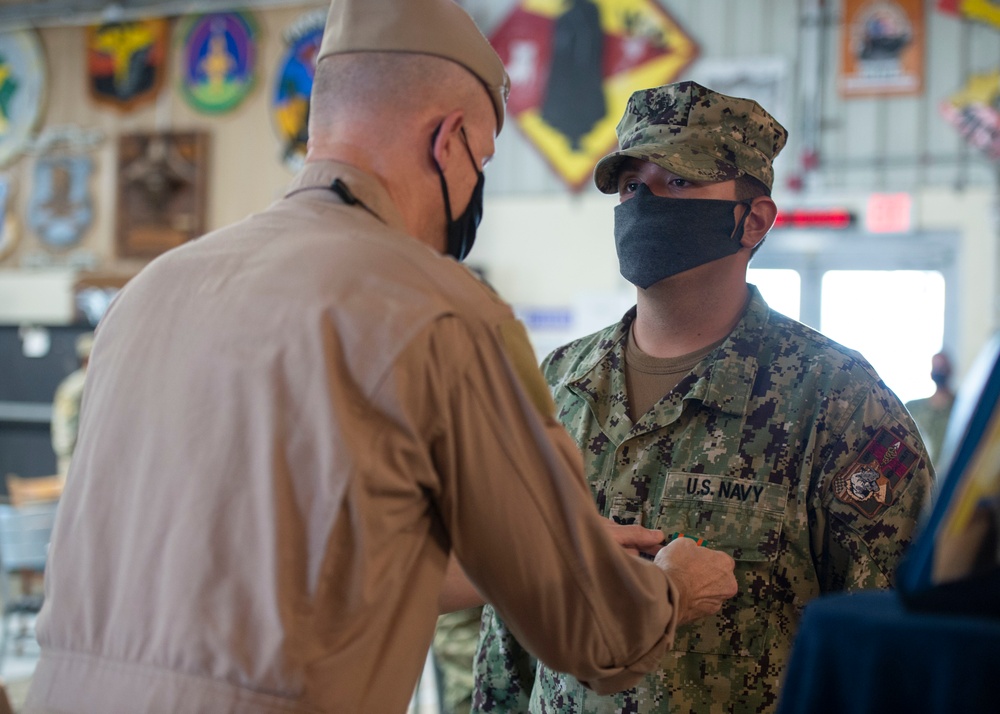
60	210
161	194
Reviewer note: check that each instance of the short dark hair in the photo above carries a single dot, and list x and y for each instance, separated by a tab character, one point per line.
747	189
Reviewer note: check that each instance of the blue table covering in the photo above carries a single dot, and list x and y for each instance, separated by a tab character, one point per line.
865	653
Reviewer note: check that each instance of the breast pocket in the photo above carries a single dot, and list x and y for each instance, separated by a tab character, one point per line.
627	510
740	517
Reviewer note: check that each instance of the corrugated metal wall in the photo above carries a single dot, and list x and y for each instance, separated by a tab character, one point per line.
866	144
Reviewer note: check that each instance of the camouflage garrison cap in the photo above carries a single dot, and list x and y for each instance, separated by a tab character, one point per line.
696	133
431	27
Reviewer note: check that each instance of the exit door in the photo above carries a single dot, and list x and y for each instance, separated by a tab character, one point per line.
890	297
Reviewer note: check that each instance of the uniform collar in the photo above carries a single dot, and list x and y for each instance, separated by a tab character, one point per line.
600	378
320	175
723	380
725	377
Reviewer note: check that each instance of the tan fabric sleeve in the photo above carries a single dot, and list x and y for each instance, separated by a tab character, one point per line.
521	519
517	347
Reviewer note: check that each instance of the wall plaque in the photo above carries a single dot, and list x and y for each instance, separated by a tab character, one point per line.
161	192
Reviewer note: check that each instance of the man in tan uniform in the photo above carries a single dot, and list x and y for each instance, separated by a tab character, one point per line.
292	422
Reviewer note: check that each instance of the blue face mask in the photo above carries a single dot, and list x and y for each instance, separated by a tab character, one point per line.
659	237
461	230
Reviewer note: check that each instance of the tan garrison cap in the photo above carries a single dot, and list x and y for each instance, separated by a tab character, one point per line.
430	27
696	133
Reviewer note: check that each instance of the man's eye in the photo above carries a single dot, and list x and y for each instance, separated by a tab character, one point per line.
628	186
680	182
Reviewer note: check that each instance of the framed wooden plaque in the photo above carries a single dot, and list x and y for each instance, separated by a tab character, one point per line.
161	191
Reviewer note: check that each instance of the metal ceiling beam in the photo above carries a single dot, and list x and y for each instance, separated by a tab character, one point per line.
55	13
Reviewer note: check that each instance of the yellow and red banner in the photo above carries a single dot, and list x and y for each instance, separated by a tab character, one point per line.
987	11
972	111
573	65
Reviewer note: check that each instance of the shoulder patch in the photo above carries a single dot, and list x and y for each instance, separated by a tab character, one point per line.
868	484
518	349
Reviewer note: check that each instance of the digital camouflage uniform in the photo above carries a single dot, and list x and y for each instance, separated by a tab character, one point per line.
66	417
932	420
781	448
66	405
454	648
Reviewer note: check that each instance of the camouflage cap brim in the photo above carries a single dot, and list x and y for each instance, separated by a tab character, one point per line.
697	134
684	161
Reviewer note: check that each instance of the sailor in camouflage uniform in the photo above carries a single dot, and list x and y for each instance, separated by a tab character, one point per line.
66	405
706	414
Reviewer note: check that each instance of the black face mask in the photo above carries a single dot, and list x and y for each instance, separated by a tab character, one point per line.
461	230
659	237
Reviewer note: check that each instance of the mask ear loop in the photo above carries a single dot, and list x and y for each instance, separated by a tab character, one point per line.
468	149
738	231
444	184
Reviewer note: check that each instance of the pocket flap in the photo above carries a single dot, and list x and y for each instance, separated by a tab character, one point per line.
741	517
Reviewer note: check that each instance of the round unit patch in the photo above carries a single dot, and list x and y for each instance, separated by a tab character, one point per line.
22	90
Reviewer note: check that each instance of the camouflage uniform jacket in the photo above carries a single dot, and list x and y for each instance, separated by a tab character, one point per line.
781	448
66	417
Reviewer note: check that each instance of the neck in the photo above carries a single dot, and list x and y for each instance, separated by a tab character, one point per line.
687	312
941	396
413	193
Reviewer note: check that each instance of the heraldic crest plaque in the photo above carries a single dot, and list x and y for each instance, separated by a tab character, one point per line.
161	194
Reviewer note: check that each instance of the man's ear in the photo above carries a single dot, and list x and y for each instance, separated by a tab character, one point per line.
445	137
763	211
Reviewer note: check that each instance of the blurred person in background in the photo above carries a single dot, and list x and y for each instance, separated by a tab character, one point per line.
932	413
66	405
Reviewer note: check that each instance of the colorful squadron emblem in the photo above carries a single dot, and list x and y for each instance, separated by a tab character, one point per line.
573	65
219	61
125	61
22	90
869	484
293	84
